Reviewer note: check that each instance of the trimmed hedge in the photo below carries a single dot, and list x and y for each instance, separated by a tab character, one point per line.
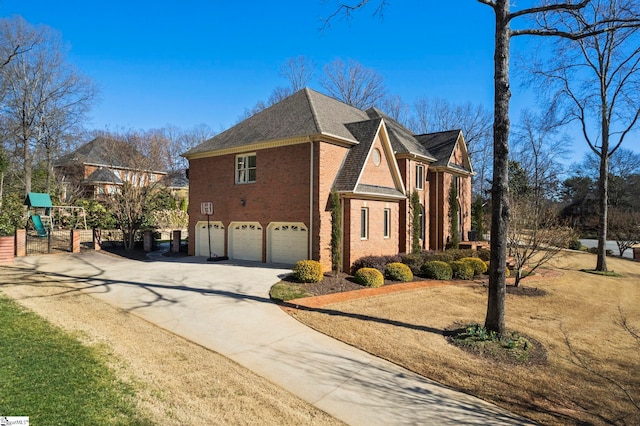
437	270
414	261
377	262
308	271
461	270
397	271
369	277
478	266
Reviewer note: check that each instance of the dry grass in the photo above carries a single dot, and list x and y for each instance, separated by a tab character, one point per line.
592	374
176	381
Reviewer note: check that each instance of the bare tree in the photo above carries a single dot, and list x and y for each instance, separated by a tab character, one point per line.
597	77
535	236
395	107
353	83
624	227
45	100
298	71
539	148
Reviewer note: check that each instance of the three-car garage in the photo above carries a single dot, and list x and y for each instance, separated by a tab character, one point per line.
285	242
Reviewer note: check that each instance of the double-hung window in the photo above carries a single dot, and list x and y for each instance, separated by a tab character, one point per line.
419	176
246	168
364	223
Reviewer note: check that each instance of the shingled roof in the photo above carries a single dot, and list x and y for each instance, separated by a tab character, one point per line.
305	113
442	145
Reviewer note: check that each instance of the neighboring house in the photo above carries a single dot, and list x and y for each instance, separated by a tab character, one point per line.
270	178
101	167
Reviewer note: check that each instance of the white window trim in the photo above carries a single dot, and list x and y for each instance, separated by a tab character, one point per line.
364	223
419	176
245	170
387	223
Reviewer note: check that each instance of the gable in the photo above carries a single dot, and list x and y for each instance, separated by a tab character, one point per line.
359	174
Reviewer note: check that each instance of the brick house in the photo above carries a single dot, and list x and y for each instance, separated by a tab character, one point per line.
270	178
100	167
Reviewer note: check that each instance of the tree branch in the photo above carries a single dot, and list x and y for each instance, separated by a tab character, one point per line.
549	8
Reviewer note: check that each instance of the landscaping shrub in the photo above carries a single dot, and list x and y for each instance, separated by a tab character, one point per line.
369	277
461	270
458	254
414	261
376	262
507	272
479	267
574	244
397	271
442	256
437	270
483	254
308	271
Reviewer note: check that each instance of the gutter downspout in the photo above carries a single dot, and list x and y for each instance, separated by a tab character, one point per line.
311	233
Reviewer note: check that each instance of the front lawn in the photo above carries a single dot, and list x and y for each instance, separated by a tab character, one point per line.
53	379
587	324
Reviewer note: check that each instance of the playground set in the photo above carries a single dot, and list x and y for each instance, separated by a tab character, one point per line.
45	217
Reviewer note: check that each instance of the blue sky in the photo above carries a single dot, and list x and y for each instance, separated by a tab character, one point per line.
189	62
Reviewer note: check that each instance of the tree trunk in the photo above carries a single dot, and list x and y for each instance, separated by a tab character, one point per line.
500	186
603	199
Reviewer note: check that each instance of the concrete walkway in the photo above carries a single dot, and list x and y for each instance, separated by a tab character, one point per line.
225	307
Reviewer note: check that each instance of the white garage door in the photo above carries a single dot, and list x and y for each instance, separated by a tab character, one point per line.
202	239
288	242
245	241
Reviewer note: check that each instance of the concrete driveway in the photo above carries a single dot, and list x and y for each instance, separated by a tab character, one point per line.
225	307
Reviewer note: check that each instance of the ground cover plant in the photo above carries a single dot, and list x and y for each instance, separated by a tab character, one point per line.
587	324
52	378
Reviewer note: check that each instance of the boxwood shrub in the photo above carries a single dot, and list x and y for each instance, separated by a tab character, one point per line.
377	262
461	270
397	271
479	267
308	271
369	277
414	261
437	270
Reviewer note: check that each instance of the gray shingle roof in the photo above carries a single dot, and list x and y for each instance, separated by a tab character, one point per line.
402	140
305	113
365	132
441	145
103	175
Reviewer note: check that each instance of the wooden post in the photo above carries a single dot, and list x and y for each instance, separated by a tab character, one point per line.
97	239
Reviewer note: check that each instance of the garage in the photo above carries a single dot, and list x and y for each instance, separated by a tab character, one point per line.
202	239
287	242
245	241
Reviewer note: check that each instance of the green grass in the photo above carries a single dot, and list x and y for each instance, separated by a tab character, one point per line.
283	291
602	273
55	380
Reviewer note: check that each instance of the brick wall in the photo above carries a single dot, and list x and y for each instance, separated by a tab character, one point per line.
280	193
376	243
328	159
379	175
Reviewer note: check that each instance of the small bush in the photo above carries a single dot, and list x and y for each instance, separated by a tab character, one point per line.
369	277
594	250
437	270
507	272
308	271
397	271
461	270
441	256
484	254
414	261
574	244
458	254
479	267
377	262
